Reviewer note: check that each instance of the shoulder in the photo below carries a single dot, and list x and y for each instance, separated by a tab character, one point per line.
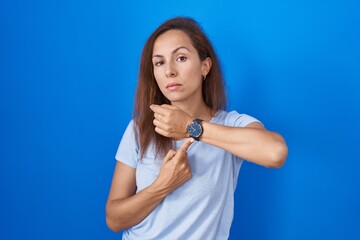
131	129
129	146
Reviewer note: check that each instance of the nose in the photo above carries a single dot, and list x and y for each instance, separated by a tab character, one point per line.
170	70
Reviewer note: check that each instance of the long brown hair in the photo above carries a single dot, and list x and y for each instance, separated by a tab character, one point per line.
148	92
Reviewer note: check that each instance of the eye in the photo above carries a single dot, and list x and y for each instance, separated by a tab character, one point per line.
181	59
158	63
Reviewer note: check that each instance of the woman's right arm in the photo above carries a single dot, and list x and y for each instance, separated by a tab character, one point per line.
126	208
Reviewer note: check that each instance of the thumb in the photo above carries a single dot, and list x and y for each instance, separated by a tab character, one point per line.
186	145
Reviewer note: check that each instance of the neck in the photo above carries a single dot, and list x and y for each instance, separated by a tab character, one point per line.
199	110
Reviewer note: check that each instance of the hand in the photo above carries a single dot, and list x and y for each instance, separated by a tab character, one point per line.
170	121
175	169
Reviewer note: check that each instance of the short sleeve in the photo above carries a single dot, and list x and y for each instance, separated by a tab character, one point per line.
128	149
235	119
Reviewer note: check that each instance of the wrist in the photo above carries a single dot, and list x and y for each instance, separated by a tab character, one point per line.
157	188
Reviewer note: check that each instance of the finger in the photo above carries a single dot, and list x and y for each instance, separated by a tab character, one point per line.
157	123
158	109
162	132
186	145
170	154
158	116
169	107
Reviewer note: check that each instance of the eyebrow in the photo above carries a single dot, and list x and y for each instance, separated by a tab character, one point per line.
174	51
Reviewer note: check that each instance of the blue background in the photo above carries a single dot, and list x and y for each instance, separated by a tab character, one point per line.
68	75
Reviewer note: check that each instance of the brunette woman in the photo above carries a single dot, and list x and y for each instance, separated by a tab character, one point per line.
179	158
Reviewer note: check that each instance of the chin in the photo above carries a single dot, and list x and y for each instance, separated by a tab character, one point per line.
174	99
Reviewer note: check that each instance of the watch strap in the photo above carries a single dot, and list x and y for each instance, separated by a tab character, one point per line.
198	120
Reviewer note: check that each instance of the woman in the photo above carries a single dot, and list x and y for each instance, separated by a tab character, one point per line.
179	158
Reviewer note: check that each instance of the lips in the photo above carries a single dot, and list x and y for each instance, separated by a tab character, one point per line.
173	86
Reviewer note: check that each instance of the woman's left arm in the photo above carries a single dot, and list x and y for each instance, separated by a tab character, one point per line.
253	143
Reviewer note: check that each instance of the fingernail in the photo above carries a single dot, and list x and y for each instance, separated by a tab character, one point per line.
192	140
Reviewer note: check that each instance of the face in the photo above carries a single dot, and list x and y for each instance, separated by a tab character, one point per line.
178	69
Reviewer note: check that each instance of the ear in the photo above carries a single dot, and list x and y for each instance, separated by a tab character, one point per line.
206	66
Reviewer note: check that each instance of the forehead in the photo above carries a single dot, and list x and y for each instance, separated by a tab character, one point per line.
171	40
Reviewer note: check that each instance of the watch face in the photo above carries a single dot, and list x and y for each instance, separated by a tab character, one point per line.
195	129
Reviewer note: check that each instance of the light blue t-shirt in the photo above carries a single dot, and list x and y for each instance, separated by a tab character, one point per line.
202	208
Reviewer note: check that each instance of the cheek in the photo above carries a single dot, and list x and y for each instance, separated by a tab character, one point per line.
157	77
192	71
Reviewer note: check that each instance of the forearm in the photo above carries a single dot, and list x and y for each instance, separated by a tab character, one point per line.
256	145
127	212
125	209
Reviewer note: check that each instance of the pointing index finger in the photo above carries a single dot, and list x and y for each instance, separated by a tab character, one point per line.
186	145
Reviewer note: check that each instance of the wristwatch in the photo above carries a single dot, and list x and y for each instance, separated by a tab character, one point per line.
195	129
